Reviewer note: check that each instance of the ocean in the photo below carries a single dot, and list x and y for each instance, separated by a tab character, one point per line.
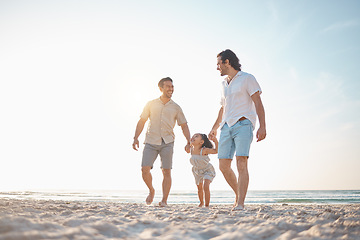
190	197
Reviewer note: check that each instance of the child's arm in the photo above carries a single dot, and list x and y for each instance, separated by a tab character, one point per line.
212	150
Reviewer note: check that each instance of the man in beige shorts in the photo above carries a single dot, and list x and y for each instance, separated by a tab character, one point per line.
163	114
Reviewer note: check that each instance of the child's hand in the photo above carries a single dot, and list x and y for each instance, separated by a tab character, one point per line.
187	148
212	133
212	138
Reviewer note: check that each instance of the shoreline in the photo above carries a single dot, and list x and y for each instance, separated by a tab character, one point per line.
57	219
180	197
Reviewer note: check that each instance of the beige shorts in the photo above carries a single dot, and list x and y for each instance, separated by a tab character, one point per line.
151	152
202	174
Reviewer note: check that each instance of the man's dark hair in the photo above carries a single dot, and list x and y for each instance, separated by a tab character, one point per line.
161	82
233	59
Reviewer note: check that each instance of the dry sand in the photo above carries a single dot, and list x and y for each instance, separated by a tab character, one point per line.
40	219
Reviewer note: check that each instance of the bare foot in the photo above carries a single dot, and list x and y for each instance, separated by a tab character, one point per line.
201	205
150	197
237	208
236	200
162	204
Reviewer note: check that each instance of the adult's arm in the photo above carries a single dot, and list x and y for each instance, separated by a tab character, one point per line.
261	133
138	130
186	132
213	131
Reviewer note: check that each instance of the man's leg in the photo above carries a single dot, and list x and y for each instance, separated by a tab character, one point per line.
147	177
243	180
225	154
243	135
166	154
230	177
166	185
150	154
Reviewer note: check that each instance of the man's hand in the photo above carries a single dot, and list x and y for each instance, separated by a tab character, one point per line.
139	128
261	134
213	138
187	148
212	134
135	144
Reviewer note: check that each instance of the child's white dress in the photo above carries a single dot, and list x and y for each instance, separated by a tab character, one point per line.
202	168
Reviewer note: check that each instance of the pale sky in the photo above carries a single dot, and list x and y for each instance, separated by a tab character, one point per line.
75	76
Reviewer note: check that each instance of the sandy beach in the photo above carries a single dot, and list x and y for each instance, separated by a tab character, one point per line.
43	219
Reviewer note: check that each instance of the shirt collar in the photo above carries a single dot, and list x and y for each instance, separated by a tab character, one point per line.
169	102
239	73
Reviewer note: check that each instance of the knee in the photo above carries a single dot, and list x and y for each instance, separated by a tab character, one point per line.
145	170
167	173
224	168
242	164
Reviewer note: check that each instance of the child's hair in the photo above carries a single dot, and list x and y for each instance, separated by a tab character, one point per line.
207	142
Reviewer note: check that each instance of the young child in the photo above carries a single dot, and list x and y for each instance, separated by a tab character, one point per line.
203	170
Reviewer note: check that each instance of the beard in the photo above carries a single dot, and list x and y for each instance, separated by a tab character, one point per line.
223	72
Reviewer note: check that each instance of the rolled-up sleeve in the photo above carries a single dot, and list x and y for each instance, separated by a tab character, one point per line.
146	112
222	94
252	85
222	101
180	117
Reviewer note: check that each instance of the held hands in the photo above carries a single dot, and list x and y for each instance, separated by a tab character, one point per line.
261	134
135	144
187	148
212	134
213	138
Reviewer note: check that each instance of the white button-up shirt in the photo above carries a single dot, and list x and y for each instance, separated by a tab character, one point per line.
236	98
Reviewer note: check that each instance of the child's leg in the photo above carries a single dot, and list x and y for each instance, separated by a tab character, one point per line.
201	194
207	192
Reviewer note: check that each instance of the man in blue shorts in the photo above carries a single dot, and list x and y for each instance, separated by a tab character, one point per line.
163	113
240	103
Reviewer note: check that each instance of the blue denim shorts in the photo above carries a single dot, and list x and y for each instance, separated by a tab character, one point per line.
236	138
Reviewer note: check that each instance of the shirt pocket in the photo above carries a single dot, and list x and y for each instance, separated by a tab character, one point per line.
235	89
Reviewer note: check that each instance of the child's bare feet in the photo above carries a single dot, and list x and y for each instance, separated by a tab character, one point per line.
201	204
